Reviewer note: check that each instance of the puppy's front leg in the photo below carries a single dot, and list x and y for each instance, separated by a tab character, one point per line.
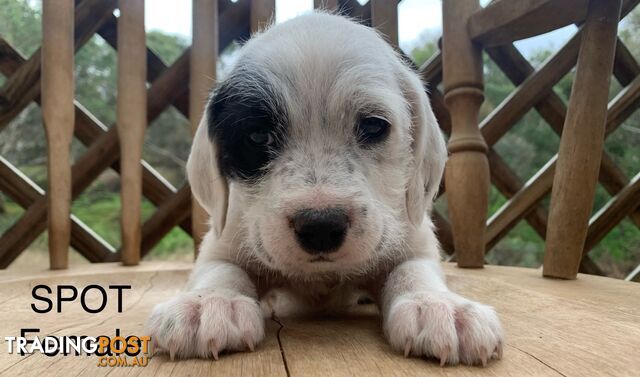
218	312
423	318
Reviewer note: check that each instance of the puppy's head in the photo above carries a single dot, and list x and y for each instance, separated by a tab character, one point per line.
328	143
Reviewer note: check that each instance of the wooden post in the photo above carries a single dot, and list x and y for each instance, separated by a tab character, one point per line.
263	14
58	117
131	122
582	141
204	53
467	171
384	17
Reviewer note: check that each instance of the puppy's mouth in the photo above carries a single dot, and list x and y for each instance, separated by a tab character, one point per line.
320	258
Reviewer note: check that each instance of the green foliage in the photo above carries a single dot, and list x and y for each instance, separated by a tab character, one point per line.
23	141
10	212
528	146
525	148
20	24
96	80
422	53
100	209
167	47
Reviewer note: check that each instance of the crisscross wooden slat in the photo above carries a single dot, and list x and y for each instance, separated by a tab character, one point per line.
535	189
508	183
553	110
505	179
502	176
502	22
535	87
108	31
23	86
576	175
521	203
531	91
104	151
88	128
610	215
625	67
234	24
165	218
24	192
10	59
178	208
534	90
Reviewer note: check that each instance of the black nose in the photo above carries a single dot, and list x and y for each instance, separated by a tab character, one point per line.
320	230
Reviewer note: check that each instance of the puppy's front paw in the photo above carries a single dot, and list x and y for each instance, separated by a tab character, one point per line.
445	326
204	323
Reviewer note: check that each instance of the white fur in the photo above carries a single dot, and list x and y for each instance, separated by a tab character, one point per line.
328	70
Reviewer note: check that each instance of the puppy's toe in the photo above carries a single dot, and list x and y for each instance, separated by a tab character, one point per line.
479	332
424	326
229	323
203	324
444	326
174	324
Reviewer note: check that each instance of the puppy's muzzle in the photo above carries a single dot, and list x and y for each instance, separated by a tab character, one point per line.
320	230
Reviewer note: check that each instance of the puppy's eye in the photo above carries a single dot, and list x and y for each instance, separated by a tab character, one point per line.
261	138
372	130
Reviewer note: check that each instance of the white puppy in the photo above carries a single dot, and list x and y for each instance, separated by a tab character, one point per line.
318	159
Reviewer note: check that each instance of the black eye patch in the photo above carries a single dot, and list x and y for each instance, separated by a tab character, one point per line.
247	120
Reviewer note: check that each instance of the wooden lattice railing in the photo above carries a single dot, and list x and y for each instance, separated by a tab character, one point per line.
582	126
473	165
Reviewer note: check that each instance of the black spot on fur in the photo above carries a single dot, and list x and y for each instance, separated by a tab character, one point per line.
350	166
310	178
244	104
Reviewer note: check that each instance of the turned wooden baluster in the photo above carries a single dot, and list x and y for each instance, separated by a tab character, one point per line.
384	17
582	141
58	117
263	14
131	122
467	171
204	54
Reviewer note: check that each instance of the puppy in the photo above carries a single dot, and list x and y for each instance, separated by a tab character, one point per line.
317	160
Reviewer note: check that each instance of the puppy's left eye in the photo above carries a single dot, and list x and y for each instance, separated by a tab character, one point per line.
261	138
372	130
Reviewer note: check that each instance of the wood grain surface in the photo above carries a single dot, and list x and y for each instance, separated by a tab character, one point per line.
584	327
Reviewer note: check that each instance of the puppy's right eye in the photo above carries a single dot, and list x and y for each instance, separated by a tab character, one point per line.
372	130
261	138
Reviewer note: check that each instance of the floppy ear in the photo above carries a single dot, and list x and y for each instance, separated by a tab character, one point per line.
429	151
208	184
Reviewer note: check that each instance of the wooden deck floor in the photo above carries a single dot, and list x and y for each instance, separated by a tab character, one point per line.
586	327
